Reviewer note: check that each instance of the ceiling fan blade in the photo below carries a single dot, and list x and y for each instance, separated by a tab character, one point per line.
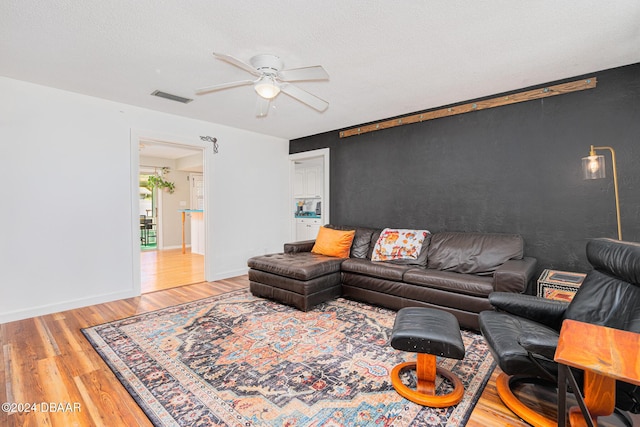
304	96
262	106
221	86
238	63
315	72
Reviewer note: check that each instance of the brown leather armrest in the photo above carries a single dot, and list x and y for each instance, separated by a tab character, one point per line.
514	275
301	246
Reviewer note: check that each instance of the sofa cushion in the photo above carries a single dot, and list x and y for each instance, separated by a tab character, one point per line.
361	244
374	238
399	244
467	284
301	265
332	242
382	270
473	253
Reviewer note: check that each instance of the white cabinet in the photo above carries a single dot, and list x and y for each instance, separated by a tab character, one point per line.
307	228
298	184
311	182
308	182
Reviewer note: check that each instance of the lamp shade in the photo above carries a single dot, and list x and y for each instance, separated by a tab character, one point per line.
267	87
593	167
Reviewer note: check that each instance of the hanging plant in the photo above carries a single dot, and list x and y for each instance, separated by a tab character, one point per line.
157	181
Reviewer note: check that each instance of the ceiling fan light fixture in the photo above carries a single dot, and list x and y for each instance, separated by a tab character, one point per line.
267	87
271	80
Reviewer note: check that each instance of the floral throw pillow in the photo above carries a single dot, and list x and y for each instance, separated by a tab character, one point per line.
398	244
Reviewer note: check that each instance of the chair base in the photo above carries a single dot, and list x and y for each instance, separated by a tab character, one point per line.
503	385
424	394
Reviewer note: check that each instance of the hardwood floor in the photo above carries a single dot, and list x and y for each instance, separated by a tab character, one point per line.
47	359
165	269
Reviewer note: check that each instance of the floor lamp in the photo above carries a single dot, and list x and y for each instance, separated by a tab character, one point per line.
593	168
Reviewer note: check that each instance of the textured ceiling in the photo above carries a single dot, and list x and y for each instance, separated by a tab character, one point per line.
385	58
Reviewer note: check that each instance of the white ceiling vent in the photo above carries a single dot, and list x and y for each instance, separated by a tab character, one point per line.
166	95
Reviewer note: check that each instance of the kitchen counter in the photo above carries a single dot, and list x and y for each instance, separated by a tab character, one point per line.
307	215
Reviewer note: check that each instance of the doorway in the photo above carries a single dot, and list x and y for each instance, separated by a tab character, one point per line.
158	258
148	209
309	192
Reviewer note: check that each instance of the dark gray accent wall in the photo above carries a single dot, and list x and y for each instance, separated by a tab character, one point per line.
512	169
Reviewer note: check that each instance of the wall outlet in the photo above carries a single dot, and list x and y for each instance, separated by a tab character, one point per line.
183	203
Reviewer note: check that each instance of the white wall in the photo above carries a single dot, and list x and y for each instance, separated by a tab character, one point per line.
61	152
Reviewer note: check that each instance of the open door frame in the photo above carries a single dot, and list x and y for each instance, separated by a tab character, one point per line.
136	136
308	155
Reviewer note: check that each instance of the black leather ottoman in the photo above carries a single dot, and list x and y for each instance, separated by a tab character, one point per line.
430	333
302	280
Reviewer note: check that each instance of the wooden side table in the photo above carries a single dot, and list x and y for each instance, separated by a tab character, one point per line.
559	285
605	355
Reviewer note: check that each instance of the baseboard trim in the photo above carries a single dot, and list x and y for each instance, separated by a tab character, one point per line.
173	247
229	274
43	310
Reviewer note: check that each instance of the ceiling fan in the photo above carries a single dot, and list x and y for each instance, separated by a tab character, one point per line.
271	80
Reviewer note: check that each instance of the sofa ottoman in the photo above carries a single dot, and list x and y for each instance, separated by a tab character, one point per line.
302	279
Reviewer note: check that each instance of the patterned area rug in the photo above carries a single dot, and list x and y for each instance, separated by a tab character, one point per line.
238	360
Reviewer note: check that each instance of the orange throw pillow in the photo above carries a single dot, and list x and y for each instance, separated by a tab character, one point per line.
332	242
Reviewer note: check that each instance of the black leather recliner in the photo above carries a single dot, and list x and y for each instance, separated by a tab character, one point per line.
523	333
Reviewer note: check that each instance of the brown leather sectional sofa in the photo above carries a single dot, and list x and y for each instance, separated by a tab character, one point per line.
455	272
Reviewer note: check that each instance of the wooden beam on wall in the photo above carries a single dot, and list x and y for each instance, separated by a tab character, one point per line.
515	98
